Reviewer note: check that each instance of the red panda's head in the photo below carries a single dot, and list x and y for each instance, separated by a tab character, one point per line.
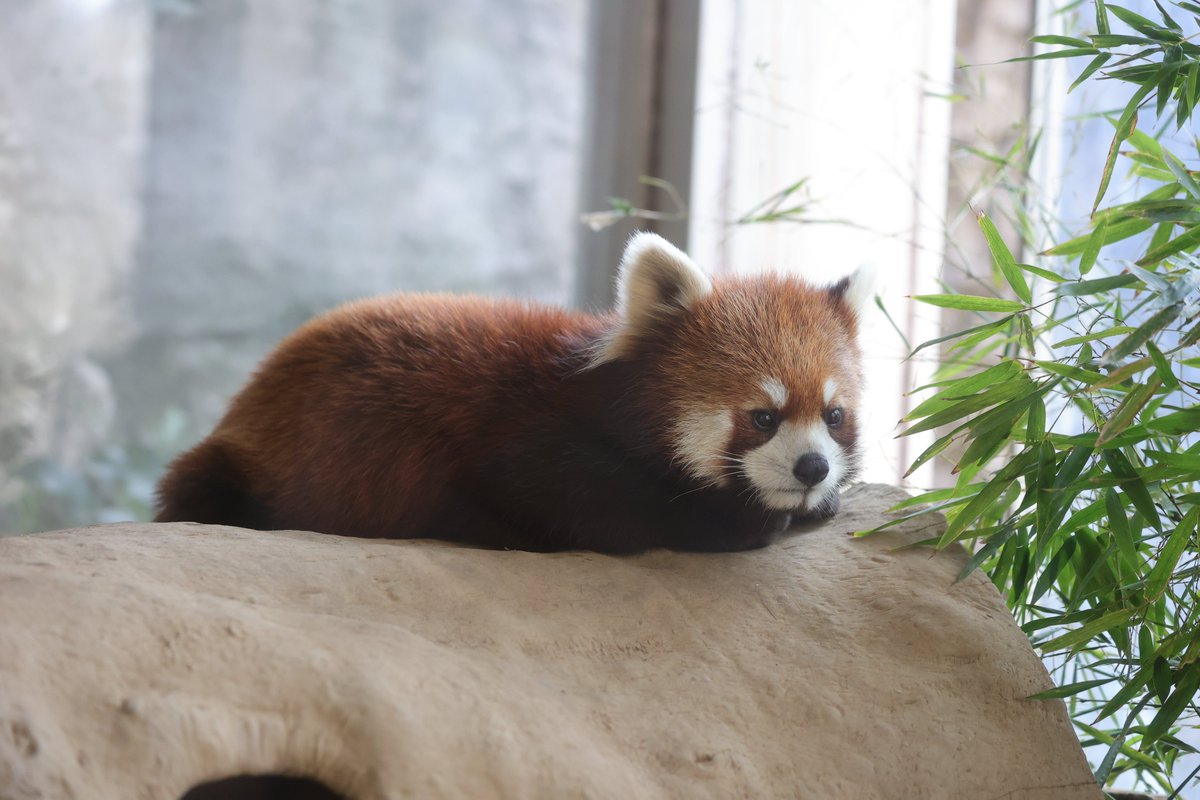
753	382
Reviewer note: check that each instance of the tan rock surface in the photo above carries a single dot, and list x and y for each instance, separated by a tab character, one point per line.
137	661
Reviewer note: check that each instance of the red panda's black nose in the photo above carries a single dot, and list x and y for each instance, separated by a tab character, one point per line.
811	469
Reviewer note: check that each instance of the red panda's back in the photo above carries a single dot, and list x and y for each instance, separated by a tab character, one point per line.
364	418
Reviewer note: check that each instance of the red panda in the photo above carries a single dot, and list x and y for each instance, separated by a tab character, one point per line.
701	415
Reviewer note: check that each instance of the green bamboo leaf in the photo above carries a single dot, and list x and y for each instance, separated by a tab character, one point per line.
983	447
1117	744
1141	74
1085	633
1131	483
1027	334
1053	277
1086	516
931	452
1188	461
1067	371
1146	144
1118	230
1170	65
1088	259
1145	645
1191	640
1069	689
1003	372
1107	40
1182	174
1050	572
921	512
1057	620
1035	425
1191	337
927	497
1122	374
1118	523
1005	415
1162	367
1161	675
1172	24
966	302
1181	422
1189	240
1102	18
1143	25
1003	258
1124	694
1097	285
1046	499
1095	576
1141	55
1169	555
1003	393
1020	573
994	542
1125	126
988	495
1162	235
1070	52
1157	321
1093	65
993	326
1185	693
1067	40
1116	330
1154	280
1133	403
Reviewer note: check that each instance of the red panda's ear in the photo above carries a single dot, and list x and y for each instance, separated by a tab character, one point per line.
656	280
856	290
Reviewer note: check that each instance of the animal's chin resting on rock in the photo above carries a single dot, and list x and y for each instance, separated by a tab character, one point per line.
699	415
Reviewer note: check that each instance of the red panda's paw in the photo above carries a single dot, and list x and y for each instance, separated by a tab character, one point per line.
749	532
826	509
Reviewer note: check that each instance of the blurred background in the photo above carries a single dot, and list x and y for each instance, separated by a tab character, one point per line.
184	182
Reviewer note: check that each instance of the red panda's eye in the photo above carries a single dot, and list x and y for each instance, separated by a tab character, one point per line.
833	417
764	420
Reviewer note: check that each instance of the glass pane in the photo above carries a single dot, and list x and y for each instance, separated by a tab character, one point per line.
275	159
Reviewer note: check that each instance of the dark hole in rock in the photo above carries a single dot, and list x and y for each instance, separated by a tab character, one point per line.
262	787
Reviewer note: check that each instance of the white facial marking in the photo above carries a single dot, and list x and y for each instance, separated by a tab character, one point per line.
830	390
769	467
776	391
701	438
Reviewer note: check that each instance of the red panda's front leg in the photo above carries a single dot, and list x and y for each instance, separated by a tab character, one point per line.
724	520
592	496
827	509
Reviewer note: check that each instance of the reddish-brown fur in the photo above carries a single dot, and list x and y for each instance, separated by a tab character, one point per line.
487	421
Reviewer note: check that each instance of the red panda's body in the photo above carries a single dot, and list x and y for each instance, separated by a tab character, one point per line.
513	425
